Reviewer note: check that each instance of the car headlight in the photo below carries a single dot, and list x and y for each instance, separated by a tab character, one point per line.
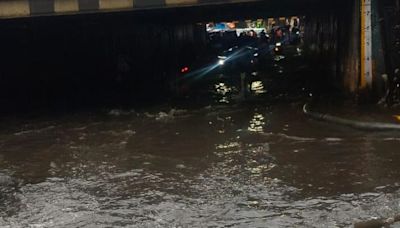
221	62
278	44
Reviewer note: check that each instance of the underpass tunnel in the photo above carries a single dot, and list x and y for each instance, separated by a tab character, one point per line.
108	58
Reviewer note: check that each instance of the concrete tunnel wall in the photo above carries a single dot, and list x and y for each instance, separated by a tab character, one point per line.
334	38
332	41
79	59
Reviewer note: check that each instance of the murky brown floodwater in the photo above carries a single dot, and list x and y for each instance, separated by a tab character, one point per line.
227	163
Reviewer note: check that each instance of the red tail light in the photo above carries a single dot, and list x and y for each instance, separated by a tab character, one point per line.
185	69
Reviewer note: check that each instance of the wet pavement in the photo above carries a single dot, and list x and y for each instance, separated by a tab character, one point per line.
220	159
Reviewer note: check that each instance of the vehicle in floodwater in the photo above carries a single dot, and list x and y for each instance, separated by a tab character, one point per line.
236	59
229	62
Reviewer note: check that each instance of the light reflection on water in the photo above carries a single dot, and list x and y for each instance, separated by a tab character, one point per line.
257	123
258	87
224	91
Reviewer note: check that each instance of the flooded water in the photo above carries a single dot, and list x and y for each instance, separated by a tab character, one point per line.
221	159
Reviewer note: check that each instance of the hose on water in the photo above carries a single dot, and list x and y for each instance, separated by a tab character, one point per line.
371	126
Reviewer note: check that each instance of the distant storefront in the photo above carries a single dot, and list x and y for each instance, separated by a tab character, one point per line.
253	25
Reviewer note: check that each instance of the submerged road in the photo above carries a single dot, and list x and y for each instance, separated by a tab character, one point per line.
215	159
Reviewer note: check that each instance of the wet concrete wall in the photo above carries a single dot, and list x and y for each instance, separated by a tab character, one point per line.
332	43
333	39
349	55
320	43
389	11
379	48
69	59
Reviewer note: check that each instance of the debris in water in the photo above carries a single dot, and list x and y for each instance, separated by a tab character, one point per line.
118	112
180	166
130	132
53	165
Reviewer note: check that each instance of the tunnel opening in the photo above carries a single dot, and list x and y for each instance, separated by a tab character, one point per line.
253	55
129	58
